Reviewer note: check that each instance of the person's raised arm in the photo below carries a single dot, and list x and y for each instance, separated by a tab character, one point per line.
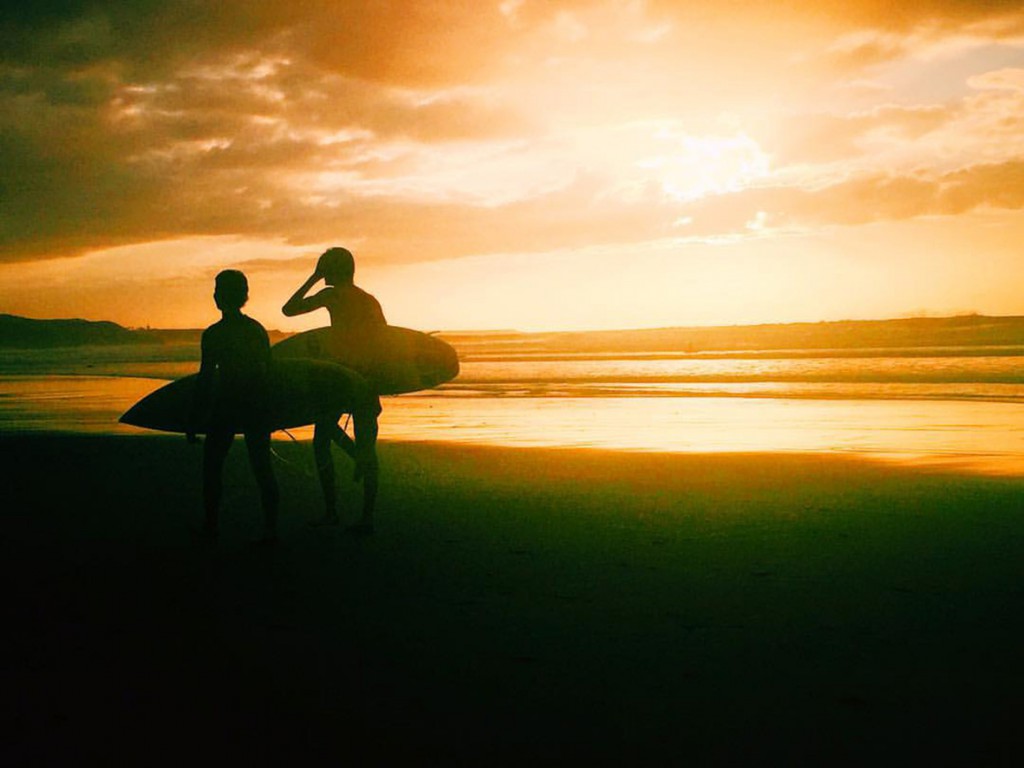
300	303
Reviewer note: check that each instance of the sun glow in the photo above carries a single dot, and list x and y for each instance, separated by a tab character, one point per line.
696	166
542	165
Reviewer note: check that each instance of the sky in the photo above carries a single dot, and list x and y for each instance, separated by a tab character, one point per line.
555	165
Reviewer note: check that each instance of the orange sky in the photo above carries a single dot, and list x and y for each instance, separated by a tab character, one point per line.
516	164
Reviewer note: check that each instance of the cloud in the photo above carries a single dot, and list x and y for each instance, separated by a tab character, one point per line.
867	38
985	125
886	15
858	201
428	130
91	161
820	138
405	43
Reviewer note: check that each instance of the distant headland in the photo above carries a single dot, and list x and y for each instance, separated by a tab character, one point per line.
29	333
980	332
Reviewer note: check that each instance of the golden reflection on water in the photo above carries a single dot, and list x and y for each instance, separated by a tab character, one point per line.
984	436
979	436
83	404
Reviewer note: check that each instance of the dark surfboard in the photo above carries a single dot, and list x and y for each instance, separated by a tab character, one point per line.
300	393
394	360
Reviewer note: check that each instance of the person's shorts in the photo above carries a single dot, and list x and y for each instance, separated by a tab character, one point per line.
239	418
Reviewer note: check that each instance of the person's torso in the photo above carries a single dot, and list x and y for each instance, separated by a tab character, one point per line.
240	350
353	309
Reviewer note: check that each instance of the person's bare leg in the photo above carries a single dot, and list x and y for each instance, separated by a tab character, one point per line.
258	445
322	433
341	439
215	450
366	466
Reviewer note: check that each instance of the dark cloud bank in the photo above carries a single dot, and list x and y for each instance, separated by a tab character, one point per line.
128	122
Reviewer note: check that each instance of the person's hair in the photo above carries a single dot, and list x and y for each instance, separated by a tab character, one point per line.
337	265
231	289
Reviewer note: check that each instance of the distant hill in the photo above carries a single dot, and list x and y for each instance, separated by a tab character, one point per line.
23	332
27	333
845	336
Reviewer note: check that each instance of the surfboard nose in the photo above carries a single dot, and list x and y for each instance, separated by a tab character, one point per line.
448	362
437	362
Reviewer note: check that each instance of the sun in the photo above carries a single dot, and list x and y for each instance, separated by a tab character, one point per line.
695	166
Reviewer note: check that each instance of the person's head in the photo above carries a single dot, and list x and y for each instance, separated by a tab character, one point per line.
337	266
231	290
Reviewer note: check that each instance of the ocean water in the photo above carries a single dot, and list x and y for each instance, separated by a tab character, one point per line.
948	406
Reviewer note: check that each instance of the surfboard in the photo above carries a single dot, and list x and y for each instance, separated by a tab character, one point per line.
300	392
393	359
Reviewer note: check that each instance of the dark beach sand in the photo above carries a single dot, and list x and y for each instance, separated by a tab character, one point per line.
515	606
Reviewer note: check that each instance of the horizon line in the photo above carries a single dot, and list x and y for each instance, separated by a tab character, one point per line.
493	331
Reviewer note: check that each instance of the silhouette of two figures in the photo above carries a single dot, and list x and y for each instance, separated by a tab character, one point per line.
232	393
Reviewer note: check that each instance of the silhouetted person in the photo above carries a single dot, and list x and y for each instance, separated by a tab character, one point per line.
232	391
356	314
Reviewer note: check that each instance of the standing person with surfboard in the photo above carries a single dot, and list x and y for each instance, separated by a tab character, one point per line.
232	395
356	315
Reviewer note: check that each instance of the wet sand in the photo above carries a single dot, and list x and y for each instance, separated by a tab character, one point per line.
515	605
